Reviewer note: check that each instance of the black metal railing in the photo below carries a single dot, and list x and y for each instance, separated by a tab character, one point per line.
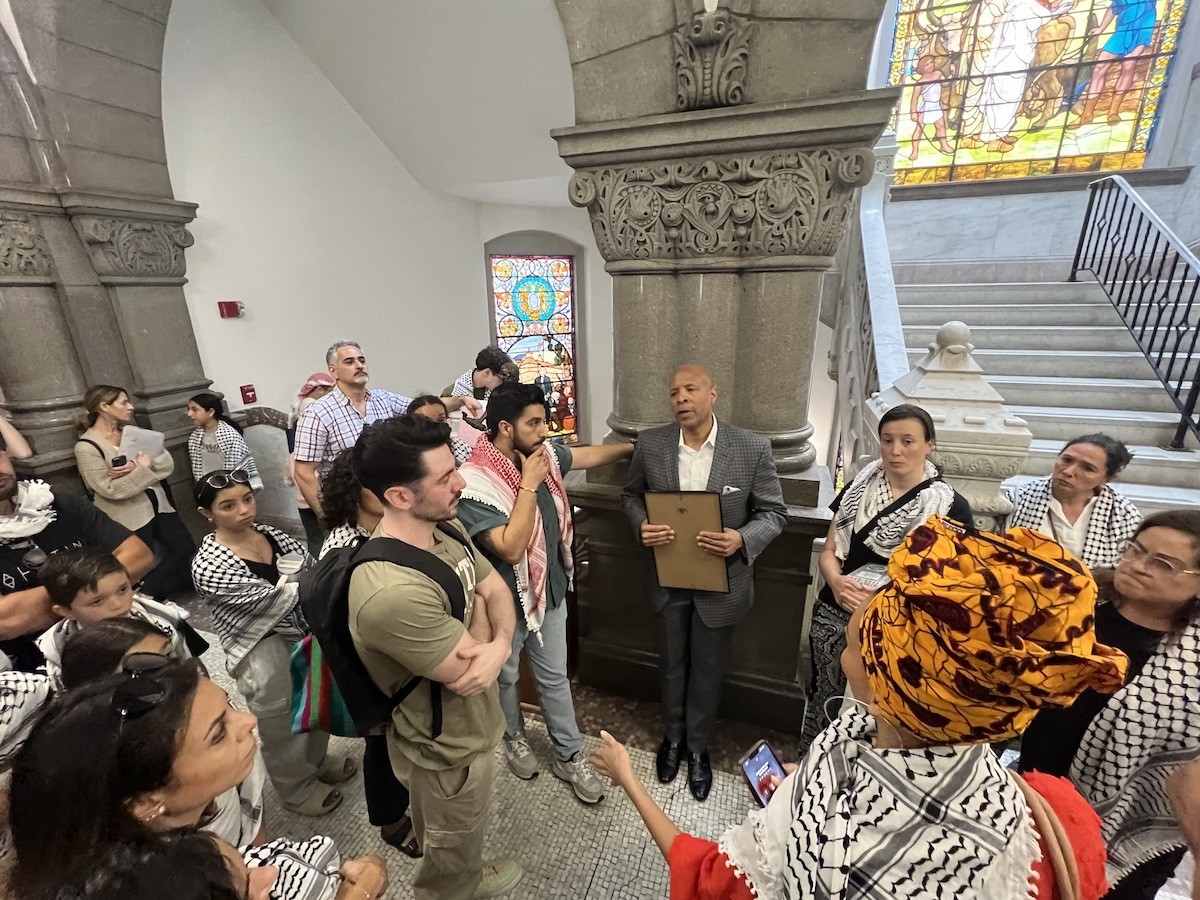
1153	280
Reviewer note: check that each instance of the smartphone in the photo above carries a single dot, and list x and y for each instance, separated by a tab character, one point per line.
118	461
758	766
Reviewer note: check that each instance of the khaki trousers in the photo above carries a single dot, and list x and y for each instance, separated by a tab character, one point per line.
449	811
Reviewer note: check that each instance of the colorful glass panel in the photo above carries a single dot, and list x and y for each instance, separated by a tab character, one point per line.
533	303
1013	88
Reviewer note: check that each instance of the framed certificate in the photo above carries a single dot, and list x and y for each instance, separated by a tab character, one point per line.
682	563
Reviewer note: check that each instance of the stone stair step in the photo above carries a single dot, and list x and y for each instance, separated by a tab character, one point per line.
975	314
1149	498
1150	465
1131	426
1071	363
1033	337
1091	393
1008	293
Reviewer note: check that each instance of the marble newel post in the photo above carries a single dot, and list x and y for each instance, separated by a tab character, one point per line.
719	155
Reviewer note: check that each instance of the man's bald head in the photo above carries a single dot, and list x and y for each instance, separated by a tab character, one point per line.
692	397
693	372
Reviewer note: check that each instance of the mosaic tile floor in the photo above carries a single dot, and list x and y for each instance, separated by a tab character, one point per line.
567	850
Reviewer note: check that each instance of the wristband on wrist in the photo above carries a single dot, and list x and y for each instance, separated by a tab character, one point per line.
531	490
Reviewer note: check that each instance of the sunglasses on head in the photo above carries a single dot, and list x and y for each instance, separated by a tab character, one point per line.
140	691
220	480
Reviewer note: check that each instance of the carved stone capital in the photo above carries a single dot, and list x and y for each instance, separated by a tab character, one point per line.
133	247
762	205
711	55
23	250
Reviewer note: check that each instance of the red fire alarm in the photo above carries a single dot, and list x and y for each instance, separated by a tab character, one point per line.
248	394
231	309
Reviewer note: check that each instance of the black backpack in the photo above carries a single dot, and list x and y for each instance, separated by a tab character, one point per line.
325	601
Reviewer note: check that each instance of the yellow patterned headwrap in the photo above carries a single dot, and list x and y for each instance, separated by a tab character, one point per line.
977	631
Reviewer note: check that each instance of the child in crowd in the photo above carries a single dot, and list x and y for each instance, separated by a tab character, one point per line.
86	587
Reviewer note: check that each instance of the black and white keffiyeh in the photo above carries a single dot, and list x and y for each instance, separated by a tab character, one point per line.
235	452
857	823
246	608
1114	520
869	493
22	696
308	870
1147	729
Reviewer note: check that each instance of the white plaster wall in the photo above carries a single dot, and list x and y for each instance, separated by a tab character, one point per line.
307	218
595	318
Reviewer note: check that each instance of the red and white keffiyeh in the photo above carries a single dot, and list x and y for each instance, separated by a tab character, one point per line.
494	481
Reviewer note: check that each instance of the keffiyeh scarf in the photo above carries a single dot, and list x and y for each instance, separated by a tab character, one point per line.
308	870
493	480
22	696
1148	728
1113	522
857	823
34	510
870	493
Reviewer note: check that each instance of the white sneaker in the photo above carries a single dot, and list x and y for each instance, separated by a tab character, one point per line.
584	782
520	758
499	877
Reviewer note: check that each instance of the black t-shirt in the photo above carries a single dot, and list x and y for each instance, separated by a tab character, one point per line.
1052	740
77	524
265	571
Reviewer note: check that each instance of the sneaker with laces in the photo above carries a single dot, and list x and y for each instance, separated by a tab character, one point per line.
520	758
499	877
584	782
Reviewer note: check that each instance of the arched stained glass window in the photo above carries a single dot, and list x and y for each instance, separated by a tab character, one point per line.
1012	88
533	304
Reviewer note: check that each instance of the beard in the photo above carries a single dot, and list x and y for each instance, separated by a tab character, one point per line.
530	448
428	511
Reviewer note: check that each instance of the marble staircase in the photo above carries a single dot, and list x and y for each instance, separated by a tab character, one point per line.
1063	361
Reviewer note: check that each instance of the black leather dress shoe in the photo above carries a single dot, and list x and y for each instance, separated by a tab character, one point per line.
699	775
670	754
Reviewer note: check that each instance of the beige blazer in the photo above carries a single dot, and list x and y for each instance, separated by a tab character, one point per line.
123	500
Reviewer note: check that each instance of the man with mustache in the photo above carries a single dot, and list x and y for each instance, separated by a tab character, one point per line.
515	507
34	523
697	453
334	422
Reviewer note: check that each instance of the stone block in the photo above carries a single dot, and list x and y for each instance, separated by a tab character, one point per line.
633	81
276	501
151	9
158	335
15	162
111	29
594	29
12	122
82	72
793	59
96	126
866	10
108	171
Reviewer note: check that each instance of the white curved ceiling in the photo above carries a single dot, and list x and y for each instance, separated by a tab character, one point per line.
463	92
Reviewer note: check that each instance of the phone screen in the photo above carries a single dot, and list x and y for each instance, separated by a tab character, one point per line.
758	766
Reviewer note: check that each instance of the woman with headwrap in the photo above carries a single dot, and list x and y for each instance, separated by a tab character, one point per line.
902	795
1135	754
889	498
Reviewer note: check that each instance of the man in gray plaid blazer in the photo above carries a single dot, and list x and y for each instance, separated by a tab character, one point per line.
699	454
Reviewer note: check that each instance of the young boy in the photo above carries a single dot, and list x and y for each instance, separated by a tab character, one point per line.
87	586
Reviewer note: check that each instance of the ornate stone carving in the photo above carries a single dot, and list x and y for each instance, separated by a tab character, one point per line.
23	250
990	467
132	247
780	204
711	55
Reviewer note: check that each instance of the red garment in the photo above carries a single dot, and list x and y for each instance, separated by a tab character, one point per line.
700	871
1082	827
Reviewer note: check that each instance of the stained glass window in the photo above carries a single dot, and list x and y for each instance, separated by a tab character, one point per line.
1011	88
533	301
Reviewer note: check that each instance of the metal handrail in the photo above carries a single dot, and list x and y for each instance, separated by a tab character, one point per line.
1153	281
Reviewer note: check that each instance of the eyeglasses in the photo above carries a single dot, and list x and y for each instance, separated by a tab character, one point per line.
220	480
140	692
1158	565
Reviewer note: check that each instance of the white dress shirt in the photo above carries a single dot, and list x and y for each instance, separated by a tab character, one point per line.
1070	536
696	465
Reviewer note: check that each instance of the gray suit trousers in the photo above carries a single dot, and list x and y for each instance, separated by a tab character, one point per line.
693	660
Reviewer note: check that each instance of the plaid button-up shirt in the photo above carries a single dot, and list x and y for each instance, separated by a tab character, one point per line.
332	424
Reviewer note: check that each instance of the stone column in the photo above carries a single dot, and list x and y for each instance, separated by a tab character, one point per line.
91	240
